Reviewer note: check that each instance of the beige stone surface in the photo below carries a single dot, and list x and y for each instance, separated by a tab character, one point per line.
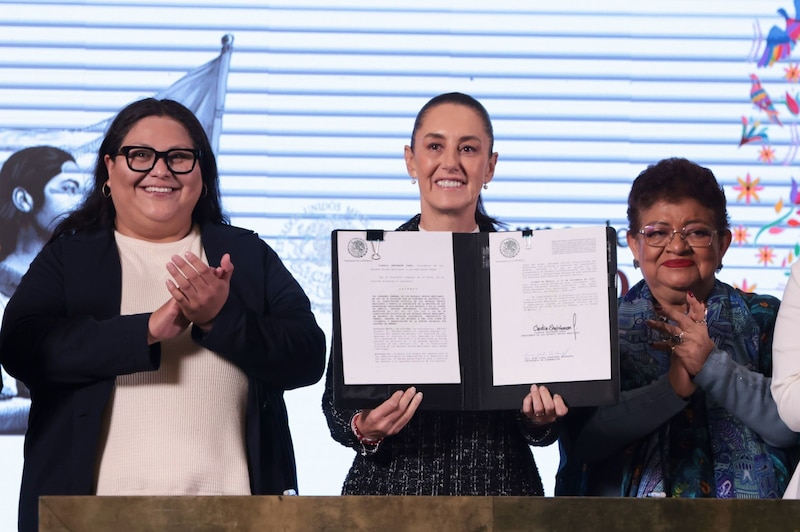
388	514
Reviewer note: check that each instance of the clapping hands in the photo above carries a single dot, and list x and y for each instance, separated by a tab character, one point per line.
198	293
687	342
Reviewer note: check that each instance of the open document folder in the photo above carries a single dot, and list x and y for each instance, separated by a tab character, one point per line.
473	319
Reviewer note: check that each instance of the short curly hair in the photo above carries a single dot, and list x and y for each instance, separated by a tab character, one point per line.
673	180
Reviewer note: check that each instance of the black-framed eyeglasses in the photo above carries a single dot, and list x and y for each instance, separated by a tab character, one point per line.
144	159
660	235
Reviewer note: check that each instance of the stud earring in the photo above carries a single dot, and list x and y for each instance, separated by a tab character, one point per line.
635	264
486	186
413	180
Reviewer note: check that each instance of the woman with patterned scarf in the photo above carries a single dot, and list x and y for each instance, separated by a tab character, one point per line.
696	417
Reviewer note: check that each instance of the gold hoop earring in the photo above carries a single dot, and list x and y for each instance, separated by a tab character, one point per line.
205	191
106	190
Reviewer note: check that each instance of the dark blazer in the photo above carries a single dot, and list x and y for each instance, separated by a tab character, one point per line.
63	336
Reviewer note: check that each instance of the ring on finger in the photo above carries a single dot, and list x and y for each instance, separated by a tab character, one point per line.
677	339
703	321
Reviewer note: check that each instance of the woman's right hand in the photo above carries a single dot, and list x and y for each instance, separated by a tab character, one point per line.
166	322
389	418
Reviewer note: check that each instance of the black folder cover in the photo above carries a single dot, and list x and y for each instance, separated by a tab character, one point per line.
476	390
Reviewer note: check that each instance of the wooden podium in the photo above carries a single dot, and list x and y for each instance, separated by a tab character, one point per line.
385	514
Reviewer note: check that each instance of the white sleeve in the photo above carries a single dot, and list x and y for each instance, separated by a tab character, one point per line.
786	353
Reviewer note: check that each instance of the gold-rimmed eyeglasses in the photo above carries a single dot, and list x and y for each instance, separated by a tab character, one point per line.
661	235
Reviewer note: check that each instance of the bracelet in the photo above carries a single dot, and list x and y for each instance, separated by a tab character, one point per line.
545	428
368	445
542	437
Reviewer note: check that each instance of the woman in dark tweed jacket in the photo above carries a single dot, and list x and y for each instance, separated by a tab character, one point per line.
401	451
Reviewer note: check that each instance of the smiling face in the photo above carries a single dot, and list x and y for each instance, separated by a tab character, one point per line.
451	161
155	205
673	270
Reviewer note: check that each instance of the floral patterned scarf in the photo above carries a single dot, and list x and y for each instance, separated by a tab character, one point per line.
704	451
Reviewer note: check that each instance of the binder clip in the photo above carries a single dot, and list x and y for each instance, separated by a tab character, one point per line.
375	237
527	236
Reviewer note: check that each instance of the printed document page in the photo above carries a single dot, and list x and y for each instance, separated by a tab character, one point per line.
398	308
550	315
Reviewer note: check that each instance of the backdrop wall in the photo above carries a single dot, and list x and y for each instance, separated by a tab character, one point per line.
320	98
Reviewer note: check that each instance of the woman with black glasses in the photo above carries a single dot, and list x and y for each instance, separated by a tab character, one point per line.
696	418
155	366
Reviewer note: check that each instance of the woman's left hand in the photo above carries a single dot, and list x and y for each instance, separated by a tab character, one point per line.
199	290
691	343
541	408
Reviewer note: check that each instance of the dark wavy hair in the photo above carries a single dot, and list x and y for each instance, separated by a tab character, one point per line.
31	169
458	98
97	211
673	180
